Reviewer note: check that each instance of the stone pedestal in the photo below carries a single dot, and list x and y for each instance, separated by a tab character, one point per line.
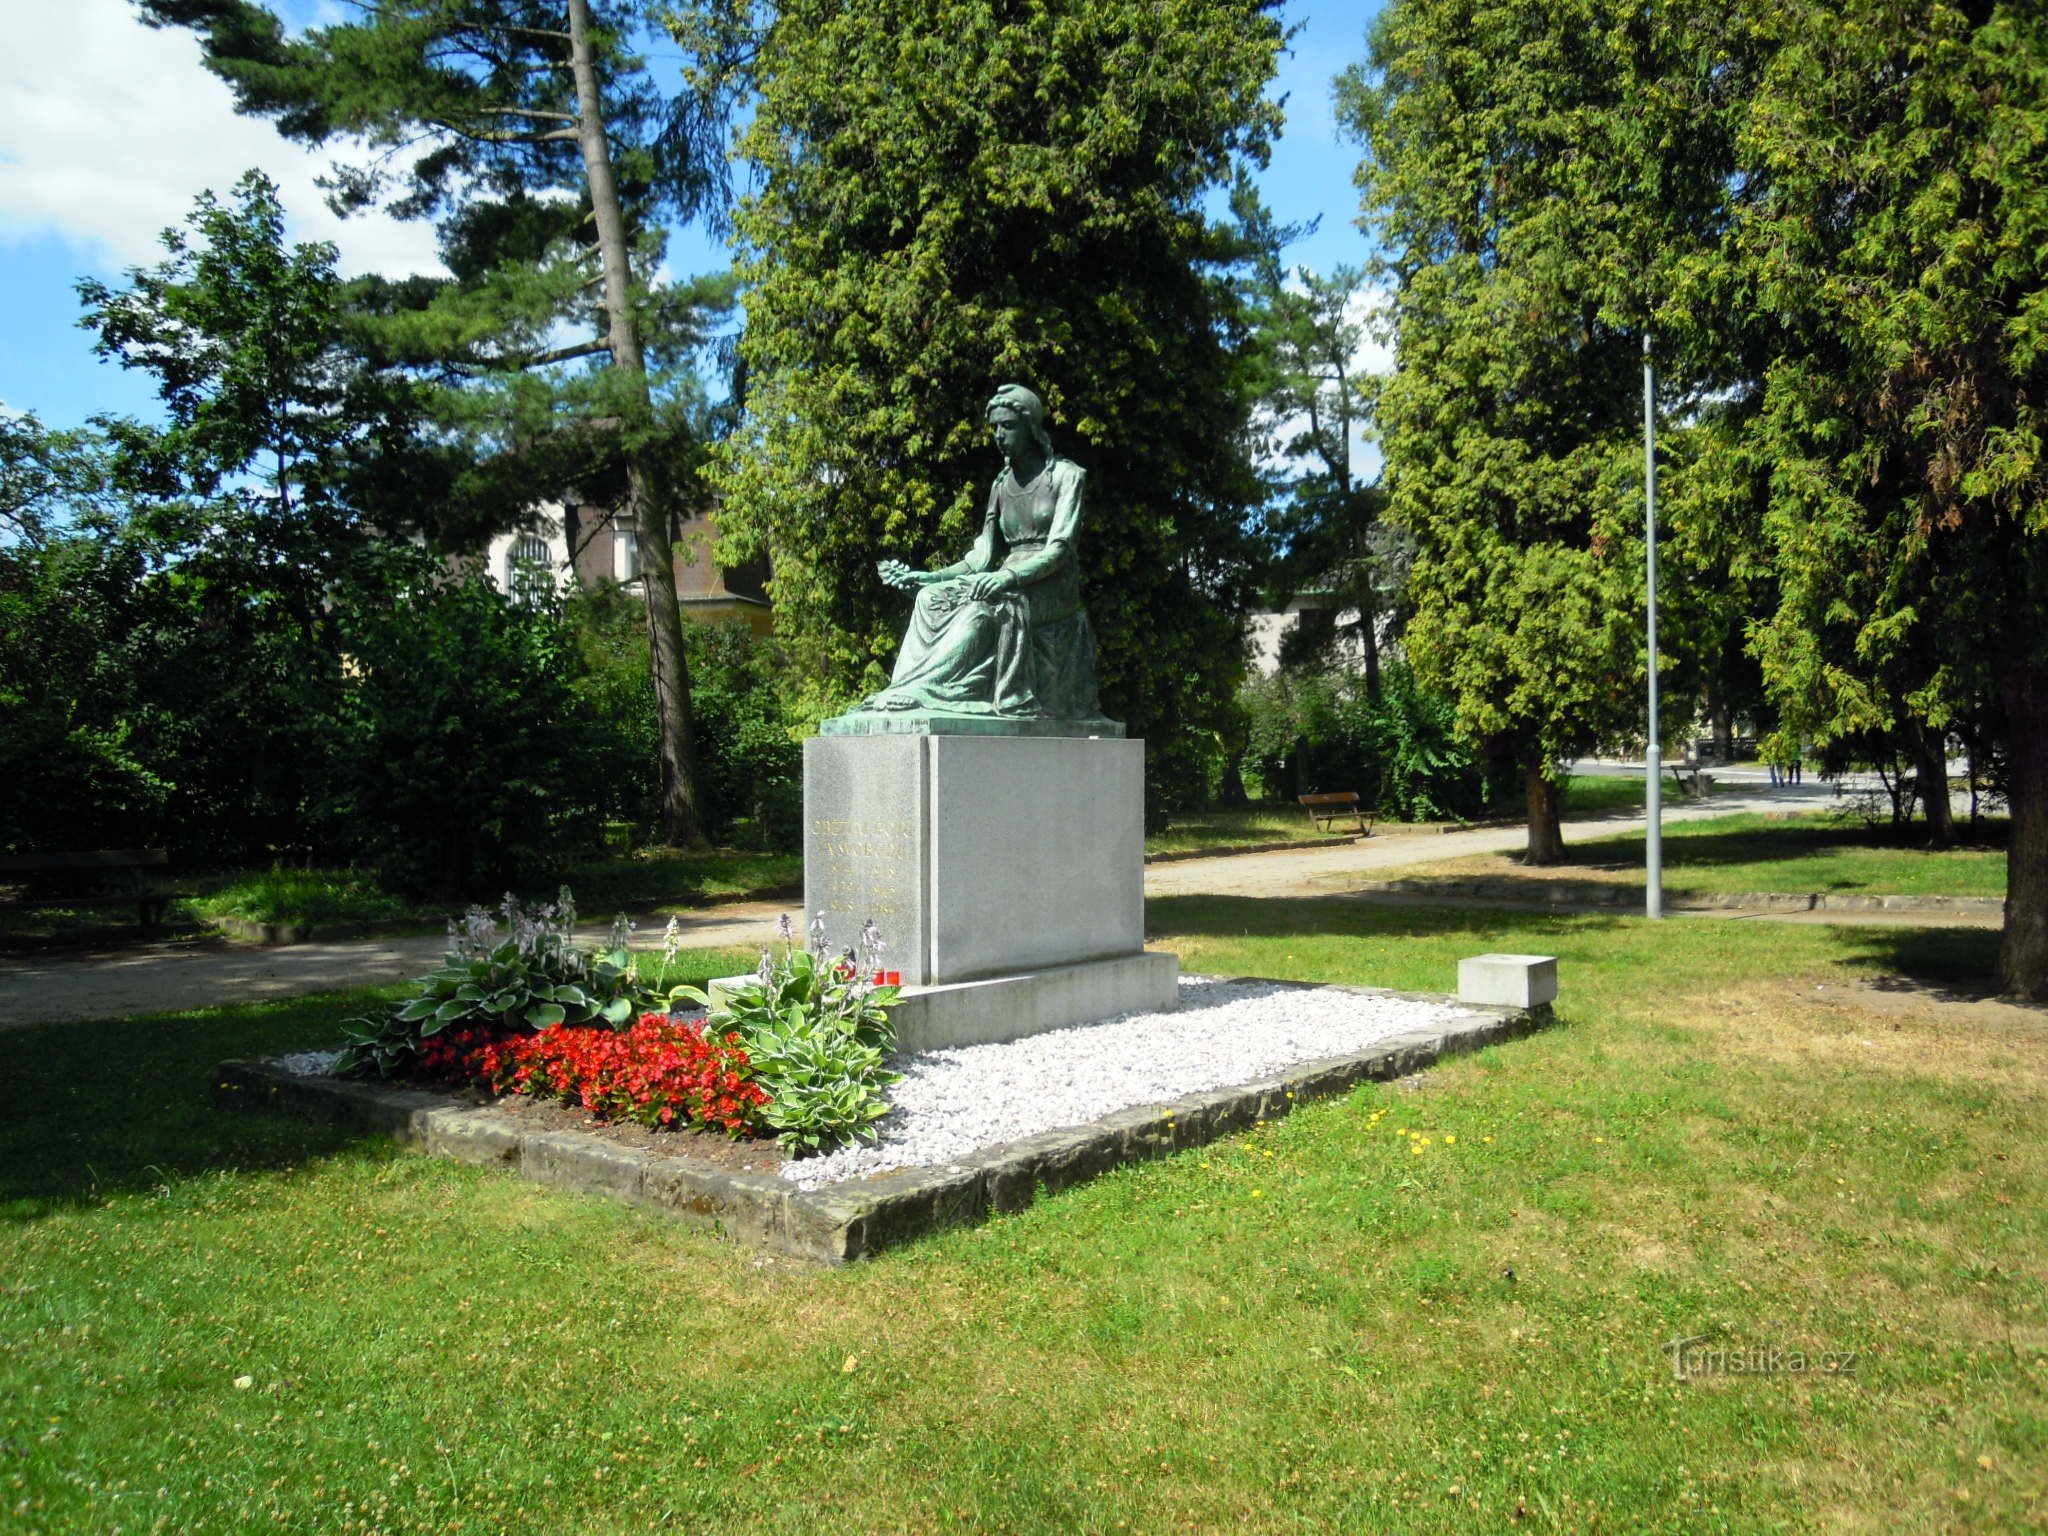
987	859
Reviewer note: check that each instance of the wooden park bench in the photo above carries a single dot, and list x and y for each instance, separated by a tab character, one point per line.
98	877
1326	810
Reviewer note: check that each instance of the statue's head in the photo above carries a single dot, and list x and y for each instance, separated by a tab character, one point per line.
1015	403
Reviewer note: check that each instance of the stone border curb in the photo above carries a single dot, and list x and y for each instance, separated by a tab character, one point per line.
1600	893
852	1220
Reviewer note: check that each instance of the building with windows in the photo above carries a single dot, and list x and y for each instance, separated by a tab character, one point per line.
588	546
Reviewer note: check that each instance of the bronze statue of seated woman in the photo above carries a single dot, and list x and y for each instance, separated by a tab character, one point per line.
1002	632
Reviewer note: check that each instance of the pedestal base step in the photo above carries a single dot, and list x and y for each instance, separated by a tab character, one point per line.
1001	1008
998	1008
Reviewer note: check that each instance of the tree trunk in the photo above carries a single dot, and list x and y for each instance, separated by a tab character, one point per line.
1369	633
1546	838
1232	791
1931	764
681	825
2023	950
1723	718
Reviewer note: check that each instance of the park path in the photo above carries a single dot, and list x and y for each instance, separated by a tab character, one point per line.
74	985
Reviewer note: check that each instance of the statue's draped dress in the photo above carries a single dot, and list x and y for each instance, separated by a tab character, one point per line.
1027	652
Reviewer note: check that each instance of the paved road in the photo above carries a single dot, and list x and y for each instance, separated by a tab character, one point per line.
169	977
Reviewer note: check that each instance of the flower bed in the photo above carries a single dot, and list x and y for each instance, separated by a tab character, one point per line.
659	1071
796	1050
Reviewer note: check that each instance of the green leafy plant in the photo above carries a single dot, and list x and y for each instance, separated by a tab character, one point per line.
816	1030
377	1045
517	970
824	1083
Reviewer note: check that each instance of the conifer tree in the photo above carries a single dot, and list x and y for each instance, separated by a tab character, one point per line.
1538	178
1897	231
956	194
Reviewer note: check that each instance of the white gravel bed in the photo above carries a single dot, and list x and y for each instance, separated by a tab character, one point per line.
950	1104
309	1063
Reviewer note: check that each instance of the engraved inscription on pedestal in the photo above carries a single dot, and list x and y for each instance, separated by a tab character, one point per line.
864	843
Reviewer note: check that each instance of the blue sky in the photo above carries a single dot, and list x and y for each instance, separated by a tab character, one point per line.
99	155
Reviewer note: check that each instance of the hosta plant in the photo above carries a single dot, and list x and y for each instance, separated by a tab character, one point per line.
816	1030
516	970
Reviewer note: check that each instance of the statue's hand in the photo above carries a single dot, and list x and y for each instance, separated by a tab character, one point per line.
991	584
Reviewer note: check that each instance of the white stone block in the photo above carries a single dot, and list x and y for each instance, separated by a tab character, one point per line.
1510	981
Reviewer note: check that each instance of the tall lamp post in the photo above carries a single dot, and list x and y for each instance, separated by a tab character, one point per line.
1653	799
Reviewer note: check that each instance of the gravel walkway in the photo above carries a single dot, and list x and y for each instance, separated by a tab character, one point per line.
950	1104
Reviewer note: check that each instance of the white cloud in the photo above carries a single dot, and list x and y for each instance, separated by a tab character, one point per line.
109	130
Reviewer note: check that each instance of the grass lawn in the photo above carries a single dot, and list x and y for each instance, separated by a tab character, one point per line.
225	1322
1590	795
1813	852
675	877
1220	829
288	895
347	897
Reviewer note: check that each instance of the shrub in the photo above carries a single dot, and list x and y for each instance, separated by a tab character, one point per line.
817	1031
749	760
1319	730
466	761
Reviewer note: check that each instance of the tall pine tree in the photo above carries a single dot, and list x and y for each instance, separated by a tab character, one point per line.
540	143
